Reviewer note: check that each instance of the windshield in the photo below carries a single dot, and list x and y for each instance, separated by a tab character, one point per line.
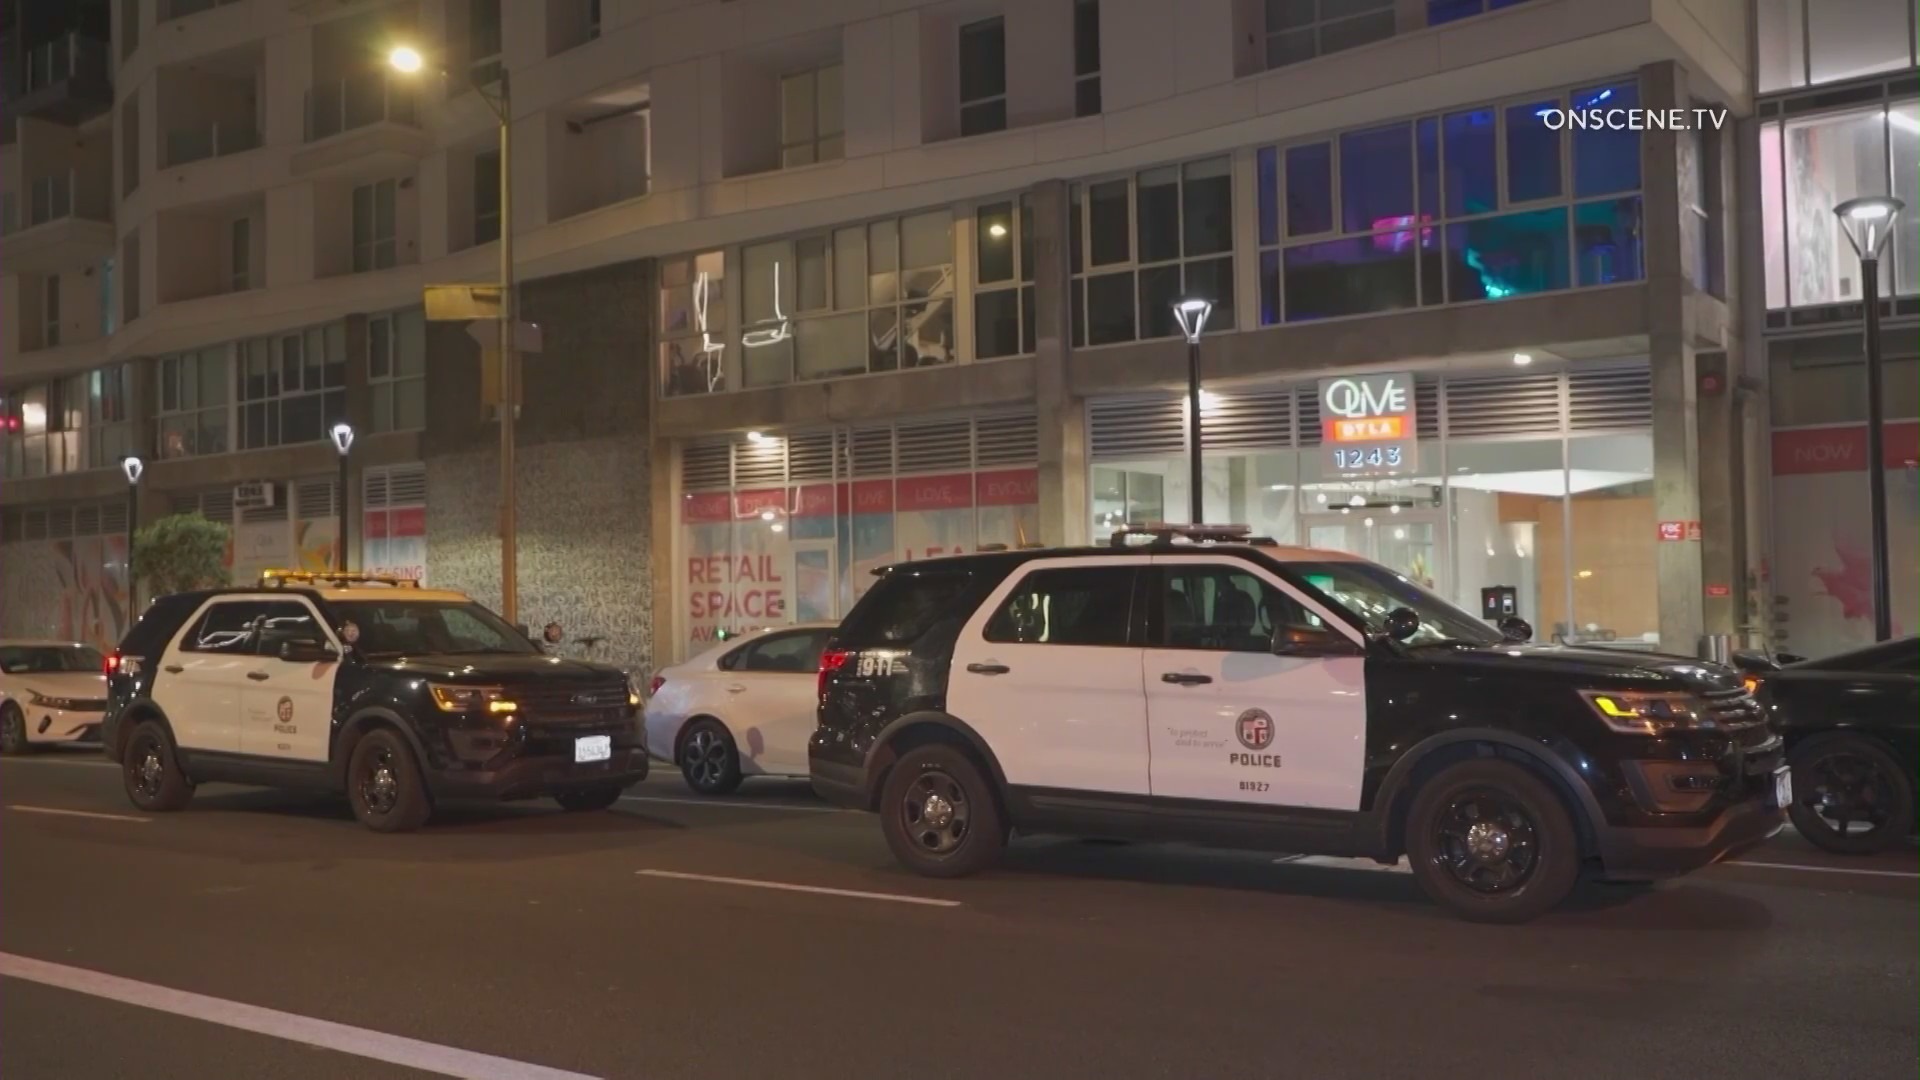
48	659
1370	592
422	628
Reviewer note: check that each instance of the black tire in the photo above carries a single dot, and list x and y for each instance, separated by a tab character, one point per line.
1839	775
13	731
151	772
580	800
384	785
960	834
1522	865
708	758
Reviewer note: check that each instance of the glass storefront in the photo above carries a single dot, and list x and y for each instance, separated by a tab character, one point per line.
1542	483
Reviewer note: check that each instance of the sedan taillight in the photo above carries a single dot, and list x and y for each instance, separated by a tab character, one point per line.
653	688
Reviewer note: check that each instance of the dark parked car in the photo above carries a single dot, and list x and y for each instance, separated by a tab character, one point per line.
1852	725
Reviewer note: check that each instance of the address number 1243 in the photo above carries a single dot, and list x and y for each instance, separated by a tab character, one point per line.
1375	457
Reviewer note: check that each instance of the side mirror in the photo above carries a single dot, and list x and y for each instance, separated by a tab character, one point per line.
308	652
1402	623
1516	629
1305	641
1790	658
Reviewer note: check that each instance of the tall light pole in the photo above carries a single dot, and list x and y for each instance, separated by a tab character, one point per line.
342	435
1868	222
132	468
1192	315
409	61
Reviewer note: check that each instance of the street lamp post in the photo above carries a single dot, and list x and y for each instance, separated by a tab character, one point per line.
409	61
132	467
342	434
1192	315
1868	222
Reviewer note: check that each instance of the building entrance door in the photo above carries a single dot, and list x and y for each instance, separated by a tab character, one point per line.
1412	542
813	581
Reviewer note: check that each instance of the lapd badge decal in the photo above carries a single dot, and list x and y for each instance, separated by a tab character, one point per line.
1254	729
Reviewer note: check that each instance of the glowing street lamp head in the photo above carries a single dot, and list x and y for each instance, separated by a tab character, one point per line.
1868	222
1192	315
406	60
342	435
131	467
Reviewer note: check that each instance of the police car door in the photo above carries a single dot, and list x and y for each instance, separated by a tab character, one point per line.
286	708
198	684
1232	722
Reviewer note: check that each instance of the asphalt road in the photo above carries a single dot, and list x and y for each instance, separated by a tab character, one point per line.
263	935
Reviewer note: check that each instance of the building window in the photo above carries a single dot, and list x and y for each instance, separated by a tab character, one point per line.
1372	220
1811	42
373	226
108	427
1141	243
1003	305
109	298
983	77
810	125
240	254
130	147
1808	165
129	27
194	402
693	323
484	56
1303	29
486	197
397	370
1446	11
292	387
130	277
1086	57
50	311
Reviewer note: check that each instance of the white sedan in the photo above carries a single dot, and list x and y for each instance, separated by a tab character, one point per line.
50	692
743	708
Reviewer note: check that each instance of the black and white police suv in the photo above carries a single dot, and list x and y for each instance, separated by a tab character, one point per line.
396	695
1212	688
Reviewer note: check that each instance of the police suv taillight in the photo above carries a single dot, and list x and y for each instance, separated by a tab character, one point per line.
831	661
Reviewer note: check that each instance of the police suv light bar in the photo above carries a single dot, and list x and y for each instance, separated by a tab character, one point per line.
1160	532
280	578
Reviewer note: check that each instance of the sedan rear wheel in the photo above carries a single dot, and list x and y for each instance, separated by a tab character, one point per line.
708	759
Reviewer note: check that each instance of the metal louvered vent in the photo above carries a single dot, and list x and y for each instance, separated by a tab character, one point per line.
86	521
1249	421
760	464
255	515
1006	440
942	446
1307	416
373	490
60	522
217	506
1605	399
869	451
113	518
1133	427
1426	408
407	486
1506	405
34	527
9	526
810	456
706	465
314	498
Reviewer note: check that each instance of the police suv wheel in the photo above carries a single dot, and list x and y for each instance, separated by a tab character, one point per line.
13	731
1850	796
152	774
591	798
708	759
939	815
384	785
1493	842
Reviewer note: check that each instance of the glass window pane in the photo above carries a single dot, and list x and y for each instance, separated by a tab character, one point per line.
1446	11
926	333
1781	26
1504	500
1472	177
213	379
1291	47
796	110
1212	279
768	365
1075	229
1110	308
1309	189
827	94
410	343
1852	38
409	404
1604	160
1514	255
1029	321
926	240
993	240
1086	97
1606	239
883	339
810	273
834	345
1207	206
1533	153
1357	276
1157	213
1269	288
1350	33
1376	177
1610	485
1905	133
379	348
1267	177
984	118
1111	232
983	60
1026	238
382	406
1426	139
1773	216
1829	159
1086	37
883	247
760	295
1159	291
1290	14
850	268
996	323
1077	316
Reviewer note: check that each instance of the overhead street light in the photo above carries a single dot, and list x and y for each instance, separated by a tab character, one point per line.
342	436
1192	315
1868	222
133	469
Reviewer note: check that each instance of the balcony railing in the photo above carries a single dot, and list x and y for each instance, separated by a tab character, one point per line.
188	145
340	105
53	62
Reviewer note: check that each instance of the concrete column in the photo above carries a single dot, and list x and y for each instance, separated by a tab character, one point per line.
1062	417
663	499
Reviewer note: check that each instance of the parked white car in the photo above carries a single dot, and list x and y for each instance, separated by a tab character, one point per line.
743	708
50	692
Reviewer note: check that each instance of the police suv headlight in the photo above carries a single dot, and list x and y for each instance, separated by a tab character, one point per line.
491	699
1638	713
634	697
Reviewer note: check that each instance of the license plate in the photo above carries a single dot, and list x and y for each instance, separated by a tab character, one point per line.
1782	787
593	748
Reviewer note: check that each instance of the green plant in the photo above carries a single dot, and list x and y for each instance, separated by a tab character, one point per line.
180	552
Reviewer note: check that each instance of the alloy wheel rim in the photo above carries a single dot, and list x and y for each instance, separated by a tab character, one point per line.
380	786
13	728
936	814
1487	841
149	771
1847	789
705	758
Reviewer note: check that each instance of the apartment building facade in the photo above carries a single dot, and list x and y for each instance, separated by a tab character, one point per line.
823	286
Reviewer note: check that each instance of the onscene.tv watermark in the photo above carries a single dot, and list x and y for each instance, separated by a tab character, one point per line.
1633	119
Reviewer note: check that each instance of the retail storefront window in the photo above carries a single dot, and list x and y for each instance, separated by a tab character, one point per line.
1810	42
1483	203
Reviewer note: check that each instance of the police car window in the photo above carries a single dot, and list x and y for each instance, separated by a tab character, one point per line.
281	621
424	628
1083	606
1223	609
226	627
793	654
904	606
1369	592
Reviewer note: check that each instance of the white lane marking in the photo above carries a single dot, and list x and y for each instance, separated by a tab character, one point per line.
735	804
1402	867
1822	869
77	813
43	760
750	883
360	1042
1342	864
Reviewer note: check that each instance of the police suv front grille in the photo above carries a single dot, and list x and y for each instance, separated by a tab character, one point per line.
537	698
1734	710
